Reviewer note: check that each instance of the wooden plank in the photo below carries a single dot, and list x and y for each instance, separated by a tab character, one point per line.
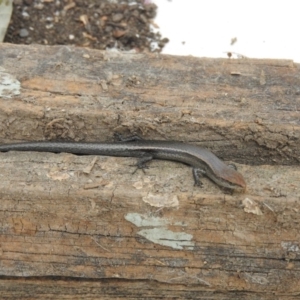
67	217
242	109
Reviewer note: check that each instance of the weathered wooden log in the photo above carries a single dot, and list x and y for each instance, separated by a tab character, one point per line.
84	225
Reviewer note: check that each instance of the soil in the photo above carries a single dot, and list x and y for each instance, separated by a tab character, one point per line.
125	25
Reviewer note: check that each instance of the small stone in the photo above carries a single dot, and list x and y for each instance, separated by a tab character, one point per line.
108	29
49	26
118	33
39	6
23	32
117	17
25	15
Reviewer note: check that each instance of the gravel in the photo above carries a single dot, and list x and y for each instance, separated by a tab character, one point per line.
125	25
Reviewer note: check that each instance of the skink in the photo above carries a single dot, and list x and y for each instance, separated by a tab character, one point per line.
203	161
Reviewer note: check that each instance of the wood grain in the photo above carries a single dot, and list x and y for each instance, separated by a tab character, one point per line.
84	225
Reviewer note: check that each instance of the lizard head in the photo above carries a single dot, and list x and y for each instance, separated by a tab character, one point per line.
234	179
